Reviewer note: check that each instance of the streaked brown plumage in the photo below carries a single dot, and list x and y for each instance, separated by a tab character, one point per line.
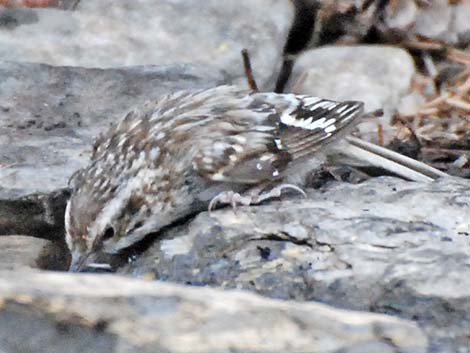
168	159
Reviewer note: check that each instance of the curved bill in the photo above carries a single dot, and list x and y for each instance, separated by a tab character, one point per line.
87	263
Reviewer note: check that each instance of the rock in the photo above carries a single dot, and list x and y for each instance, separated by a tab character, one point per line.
438	19
401	15
410	104
434	20
442	20
385	245
377	75
460	23
19	252
39	215
145	32
89	313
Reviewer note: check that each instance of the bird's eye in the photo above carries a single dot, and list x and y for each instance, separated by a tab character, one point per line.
108	234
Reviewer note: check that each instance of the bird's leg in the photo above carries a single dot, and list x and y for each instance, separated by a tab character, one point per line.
275	192
229	198
252	196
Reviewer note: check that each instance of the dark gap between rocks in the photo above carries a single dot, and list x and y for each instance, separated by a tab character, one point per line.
298	38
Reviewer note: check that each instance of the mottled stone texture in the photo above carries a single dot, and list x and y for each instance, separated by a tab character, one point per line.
90	313
385	245
149	32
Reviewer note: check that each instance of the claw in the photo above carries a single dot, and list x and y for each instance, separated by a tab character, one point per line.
292	187
277	191
230	197
235	199
214	203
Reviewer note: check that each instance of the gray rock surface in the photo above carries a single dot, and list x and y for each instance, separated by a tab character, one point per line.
89	313
460	24
40	215
439	20
19	252
377	75
146	32
385	245
433	21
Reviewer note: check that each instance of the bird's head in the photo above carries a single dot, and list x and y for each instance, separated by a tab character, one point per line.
104	216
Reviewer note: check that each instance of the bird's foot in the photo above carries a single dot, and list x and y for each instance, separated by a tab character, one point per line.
251	197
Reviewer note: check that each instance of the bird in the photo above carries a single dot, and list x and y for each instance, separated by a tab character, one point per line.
193	150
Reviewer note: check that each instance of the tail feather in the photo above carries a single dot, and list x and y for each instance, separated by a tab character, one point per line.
392	161
315	123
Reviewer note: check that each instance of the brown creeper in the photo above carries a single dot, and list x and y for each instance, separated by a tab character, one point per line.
172	157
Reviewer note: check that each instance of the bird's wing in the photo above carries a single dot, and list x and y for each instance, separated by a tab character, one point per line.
260	140
316	123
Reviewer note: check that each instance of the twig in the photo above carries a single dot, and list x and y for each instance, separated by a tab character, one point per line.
248	71
380	135
458	56
457	103
430	112
437	101
463	90
423	45
456	152
412	132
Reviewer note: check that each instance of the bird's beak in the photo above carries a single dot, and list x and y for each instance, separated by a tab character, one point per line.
87	263
79	261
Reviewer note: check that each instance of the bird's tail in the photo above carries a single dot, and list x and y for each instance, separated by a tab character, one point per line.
389	160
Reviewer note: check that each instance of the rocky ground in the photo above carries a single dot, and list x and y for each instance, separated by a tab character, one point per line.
362	264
